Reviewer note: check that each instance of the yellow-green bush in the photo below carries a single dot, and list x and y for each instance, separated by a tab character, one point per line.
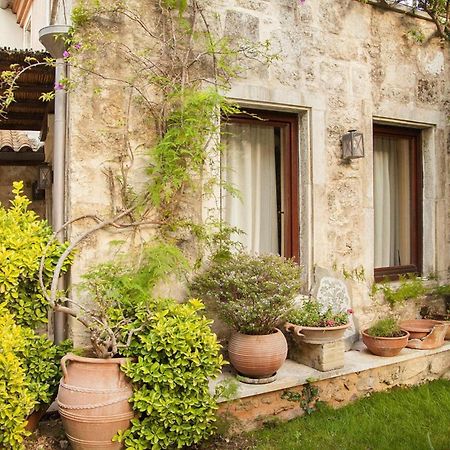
23	241
16	400
29	376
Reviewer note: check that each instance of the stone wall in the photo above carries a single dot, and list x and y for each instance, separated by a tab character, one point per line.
341	65
253	412
349	65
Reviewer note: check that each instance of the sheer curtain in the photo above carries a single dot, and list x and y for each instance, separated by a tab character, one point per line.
248	164
391	201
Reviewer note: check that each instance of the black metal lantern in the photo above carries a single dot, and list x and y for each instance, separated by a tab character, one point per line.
45	177
352	145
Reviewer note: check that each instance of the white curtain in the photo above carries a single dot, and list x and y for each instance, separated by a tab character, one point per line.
391	201
248	165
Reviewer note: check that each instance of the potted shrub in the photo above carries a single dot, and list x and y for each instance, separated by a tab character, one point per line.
148	384
316	325
385	338
252	294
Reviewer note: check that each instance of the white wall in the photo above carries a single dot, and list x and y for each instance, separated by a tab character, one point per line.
11	35
40	17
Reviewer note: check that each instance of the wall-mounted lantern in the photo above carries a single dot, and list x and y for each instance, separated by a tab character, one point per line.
45	177
352	145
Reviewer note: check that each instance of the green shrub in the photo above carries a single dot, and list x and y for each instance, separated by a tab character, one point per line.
23	241
253	294
310	314
410	287
385	328
16	400
29	376
174	355
40	359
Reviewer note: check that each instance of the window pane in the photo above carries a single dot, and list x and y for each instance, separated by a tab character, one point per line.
392	191
251	165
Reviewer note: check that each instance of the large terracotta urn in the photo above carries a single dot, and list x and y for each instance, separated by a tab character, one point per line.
93	401
257	356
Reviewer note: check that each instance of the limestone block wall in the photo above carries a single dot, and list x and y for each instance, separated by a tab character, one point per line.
349	65
341	65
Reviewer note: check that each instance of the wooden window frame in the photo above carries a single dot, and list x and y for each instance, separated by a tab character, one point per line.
416	183
288	122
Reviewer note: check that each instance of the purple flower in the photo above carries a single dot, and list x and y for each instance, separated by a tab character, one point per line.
77	46
301	2
66	54
58	86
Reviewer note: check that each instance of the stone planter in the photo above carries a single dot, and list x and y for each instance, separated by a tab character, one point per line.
257	356
385	346
93	401
317	347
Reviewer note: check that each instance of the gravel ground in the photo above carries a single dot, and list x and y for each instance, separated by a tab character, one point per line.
50	436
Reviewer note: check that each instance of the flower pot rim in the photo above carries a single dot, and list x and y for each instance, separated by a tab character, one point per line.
276	330
87	359
420	325
302	327
392	338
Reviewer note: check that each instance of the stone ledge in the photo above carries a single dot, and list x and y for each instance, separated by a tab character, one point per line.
294	374
363	374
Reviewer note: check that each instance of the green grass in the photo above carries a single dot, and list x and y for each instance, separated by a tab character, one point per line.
401	419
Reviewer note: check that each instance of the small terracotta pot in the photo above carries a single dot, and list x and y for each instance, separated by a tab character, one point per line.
418	328
257	356
385	346
318	335
34	418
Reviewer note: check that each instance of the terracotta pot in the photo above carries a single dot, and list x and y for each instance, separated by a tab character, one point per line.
93	401
444	318
418	328
385	346
318	335
434	339
257	356
34	418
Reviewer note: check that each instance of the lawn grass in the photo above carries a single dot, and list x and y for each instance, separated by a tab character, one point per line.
401	419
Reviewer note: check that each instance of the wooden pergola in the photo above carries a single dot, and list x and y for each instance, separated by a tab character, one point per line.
28	112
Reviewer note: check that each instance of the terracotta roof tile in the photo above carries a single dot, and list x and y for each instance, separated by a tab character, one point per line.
16	141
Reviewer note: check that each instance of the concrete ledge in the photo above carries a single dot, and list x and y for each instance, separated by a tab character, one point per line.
363	373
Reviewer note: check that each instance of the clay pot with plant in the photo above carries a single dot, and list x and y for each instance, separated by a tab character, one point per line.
253	295
315	324
385	338
121	374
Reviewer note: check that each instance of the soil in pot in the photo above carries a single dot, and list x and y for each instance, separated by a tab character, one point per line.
385	346
257	356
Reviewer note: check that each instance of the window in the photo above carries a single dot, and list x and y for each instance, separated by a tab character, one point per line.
260	161
397	201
